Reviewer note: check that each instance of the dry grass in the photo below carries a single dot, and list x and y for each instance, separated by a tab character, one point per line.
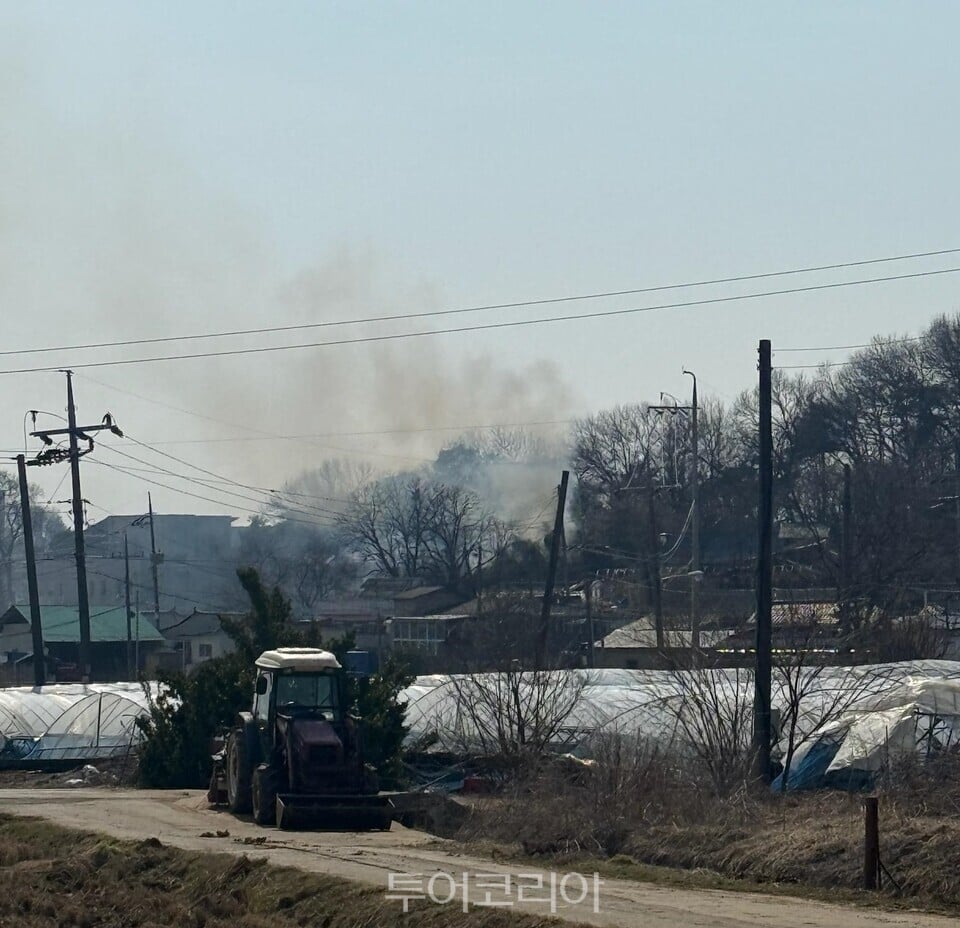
54	878
640	815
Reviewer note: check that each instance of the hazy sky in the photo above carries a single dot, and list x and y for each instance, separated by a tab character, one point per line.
174	168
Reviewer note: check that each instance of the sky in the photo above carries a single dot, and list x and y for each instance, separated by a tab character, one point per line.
171	169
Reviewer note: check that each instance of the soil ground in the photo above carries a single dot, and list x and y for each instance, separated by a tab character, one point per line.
183	820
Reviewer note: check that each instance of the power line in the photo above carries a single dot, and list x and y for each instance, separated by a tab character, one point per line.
265	435
205	486
606	294
882	342
542	423
808	367
314	523
267	490
517	323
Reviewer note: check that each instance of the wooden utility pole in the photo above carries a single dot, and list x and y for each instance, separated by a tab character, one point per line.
155	560
588	593
762	722
36	627
846	552
126	598
544	631
54	455
656	586
6	594
695	575
83	601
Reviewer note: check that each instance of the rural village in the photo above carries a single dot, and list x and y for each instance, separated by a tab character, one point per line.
493	587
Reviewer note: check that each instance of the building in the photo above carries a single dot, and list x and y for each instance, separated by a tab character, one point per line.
422	634
192	639
425	600
109	642
197	558
366	618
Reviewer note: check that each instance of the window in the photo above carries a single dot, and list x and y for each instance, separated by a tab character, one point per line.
205	651
261	701
306	691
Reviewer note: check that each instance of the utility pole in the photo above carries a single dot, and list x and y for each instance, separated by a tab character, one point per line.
52	455
656	587
695	574
6	596
36	628
479	579
126	599
136	645
956	501
540	655
83	601
588	594
155	560
762	727
846	552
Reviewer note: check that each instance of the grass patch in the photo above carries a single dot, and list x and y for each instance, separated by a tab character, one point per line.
52	877
808	845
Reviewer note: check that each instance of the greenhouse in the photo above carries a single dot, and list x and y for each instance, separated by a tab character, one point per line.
838	725
63	723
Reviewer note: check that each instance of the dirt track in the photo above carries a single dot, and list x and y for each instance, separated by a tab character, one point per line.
180	818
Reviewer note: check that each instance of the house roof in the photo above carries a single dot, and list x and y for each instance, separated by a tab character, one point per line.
641	634
357	607
195	625
822	613
418	591
61	624
443	617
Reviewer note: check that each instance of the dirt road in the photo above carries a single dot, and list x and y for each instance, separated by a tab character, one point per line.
182	818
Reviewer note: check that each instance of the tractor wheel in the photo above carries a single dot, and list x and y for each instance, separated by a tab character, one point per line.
264	795
238	773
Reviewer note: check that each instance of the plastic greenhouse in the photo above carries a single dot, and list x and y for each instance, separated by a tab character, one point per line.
69	722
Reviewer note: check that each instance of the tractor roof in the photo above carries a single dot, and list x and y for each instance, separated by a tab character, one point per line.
303	659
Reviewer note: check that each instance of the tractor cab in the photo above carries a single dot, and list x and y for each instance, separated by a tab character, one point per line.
297	682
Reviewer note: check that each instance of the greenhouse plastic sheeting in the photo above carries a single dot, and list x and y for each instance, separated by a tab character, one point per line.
867	711
67	722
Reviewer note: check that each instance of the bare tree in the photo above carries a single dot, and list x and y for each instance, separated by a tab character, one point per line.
515	715
407	526
810	692
46	524
711	712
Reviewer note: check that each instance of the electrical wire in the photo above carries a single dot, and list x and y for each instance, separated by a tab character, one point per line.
274	492
314	523
266	436
743	278
517	323
883	342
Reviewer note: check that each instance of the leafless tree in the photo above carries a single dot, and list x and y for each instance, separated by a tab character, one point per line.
711	713
810	692
46	524
408	526
514	715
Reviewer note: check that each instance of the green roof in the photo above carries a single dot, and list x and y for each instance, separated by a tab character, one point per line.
62	623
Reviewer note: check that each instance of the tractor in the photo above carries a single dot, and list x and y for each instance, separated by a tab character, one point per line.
297	757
